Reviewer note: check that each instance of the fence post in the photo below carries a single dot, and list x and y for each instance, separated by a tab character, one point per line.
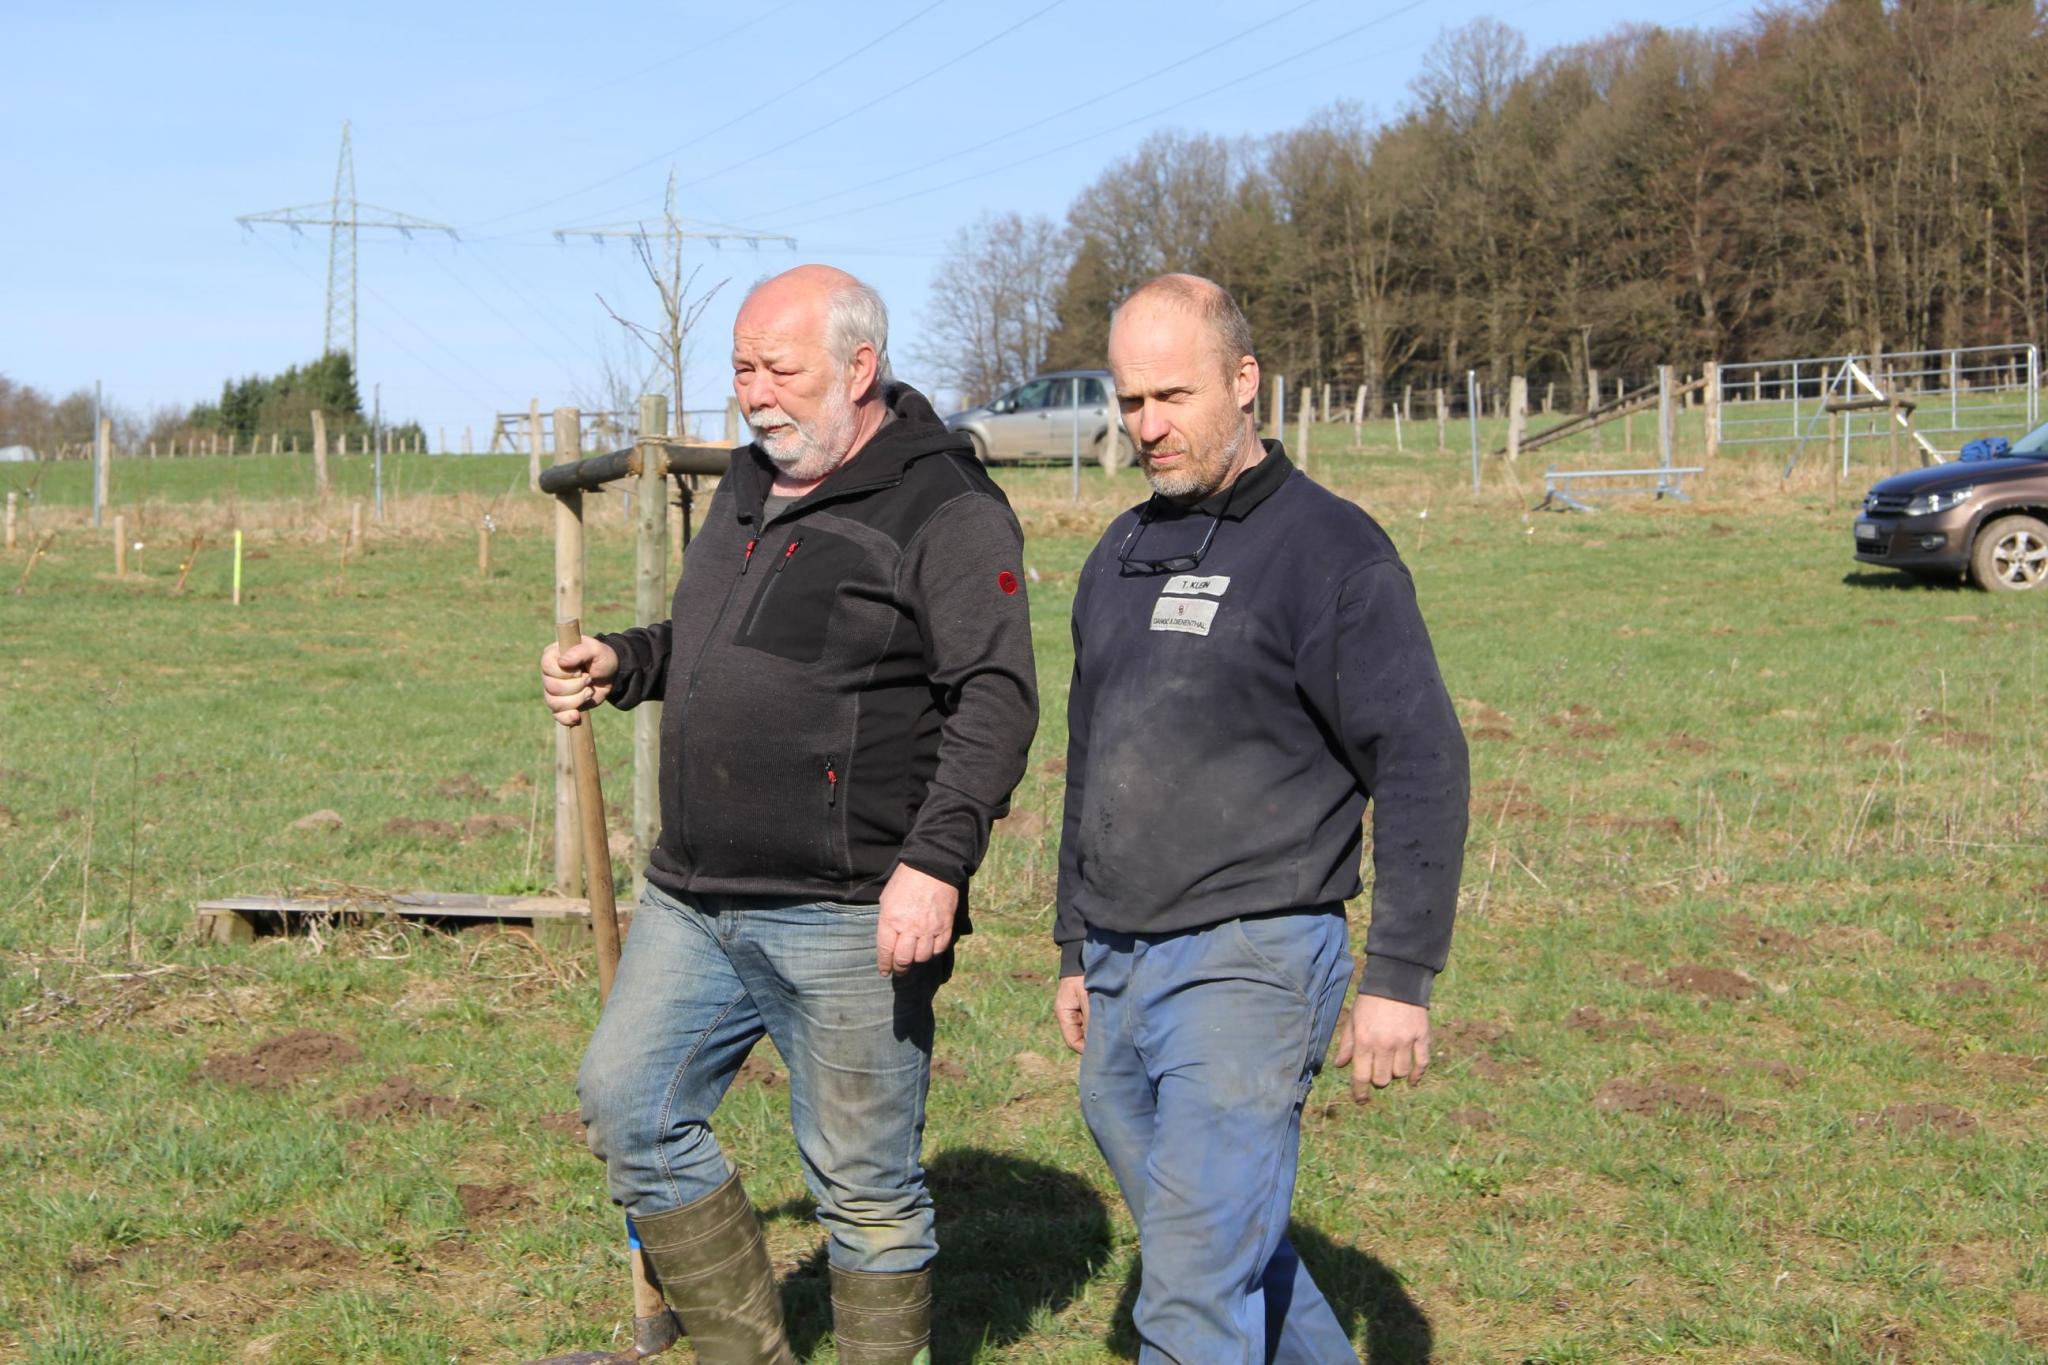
1358	419
534	444
319	452
1325	409
1549	395
1667	416
1593	402
1278	416
1443	418
1711	385
568	606
102	466
1518	415
1303	422
650	604
1472	421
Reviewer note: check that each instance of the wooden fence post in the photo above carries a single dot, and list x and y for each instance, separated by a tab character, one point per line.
1593	401
650	604
1712	377
1443	422
355	526
103	471
1667	414
319	452
1518	415
1358	419
1278	417
568	606
1303	423
533	443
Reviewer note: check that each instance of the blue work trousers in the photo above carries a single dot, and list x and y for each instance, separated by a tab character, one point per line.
1201	1049
700	981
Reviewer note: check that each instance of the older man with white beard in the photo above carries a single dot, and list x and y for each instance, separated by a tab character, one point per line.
848	698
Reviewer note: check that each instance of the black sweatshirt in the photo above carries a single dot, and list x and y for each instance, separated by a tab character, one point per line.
846	686
1228	724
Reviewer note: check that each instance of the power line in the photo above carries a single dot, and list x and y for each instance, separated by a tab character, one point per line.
1089	103
1267	69
741	117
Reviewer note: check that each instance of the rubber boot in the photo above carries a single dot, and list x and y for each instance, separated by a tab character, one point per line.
710	1261
882	1319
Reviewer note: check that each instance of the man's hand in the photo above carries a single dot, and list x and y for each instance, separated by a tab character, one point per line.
1388	1039
1070	1007
916	922
574	680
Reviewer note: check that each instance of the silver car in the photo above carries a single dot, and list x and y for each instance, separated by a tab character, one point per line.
1042	419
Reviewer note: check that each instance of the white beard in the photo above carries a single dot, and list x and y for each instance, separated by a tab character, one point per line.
806	453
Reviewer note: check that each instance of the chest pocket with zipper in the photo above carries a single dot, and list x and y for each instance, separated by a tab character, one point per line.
801	584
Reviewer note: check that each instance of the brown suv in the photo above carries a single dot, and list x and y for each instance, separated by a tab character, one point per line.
1987	517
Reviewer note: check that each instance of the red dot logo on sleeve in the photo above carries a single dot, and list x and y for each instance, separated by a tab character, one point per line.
1007	581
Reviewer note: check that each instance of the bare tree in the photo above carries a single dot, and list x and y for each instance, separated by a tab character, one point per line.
681	304
992	310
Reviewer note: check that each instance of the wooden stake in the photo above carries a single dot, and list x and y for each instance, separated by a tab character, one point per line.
1443	422
319	453
533	445
355	526
568	606
483	548
185	569
30	567
650	604
235	595
1518	415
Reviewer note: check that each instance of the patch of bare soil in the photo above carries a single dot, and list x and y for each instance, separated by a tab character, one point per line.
1055	766
481	824
1477	712
1591	729
1682	744
1890	1344
1454	1038
1022	824
946	1069
1715	983
1477	1119
1589	1019
1491	734
1905	1118
1964	987
517	785
1971	740
283	1061
2030	1317
8	819
1746	935
406	828
760	1069
1027	977
1037	1066
568	1124
461	787
482	1203
1786	1073
276	1246
2027	948
318	820
398	1099
1652	1098
1495	1072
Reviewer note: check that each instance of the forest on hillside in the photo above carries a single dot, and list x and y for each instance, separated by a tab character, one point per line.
1822	178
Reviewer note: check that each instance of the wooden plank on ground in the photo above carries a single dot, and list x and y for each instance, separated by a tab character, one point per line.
238	919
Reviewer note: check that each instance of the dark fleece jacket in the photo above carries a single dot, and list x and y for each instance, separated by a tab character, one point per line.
847	686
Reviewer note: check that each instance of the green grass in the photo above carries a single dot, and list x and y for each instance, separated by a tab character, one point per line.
1701	739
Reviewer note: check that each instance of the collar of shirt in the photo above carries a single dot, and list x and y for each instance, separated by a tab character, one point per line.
1253	486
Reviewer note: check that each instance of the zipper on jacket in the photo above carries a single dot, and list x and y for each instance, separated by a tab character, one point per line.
831	784
768	588
747	556
789	554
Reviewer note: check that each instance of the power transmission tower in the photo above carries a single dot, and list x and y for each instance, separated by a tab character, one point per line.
680	305
343	216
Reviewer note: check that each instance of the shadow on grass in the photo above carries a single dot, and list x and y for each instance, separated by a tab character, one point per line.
1363	1290
1902	580
1017	1238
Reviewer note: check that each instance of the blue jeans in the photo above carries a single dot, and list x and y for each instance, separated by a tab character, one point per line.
1201	1048
699	983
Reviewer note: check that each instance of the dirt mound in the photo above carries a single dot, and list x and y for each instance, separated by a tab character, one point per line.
1491	734
2027	948
461	787
1963	739
760	1070
1967	987
398	1099
1590	1020
1479	1120
1746	934
1022	824
1633	824
8	819
1787	1073
274	1246
1905	1118
1652	1098
568	1124
1682	744
479	825
405	828
283	1061
1715	983
519	784
318	820
483	1202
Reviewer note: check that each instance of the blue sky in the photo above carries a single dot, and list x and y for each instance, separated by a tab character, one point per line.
137	133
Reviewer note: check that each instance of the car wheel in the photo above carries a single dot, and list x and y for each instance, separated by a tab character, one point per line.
1112	452
980	449
2011	555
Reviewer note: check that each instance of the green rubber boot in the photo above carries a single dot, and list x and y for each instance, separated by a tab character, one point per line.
713	1267
882	1319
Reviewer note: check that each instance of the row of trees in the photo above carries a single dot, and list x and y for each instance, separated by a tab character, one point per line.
1839	176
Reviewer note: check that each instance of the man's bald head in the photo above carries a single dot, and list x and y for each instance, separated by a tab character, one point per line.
839	308
1203	299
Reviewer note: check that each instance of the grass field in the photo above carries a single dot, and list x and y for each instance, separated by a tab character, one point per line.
1742	1049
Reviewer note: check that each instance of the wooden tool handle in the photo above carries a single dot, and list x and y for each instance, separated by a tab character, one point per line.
597	854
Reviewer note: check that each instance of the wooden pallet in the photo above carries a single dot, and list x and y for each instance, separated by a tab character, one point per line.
238	919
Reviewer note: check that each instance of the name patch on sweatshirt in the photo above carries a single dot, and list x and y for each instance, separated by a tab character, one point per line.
1188	615
1196	585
